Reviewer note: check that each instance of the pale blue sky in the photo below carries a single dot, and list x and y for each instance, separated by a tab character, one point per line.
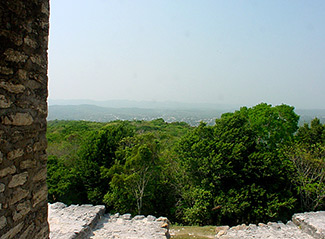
224	52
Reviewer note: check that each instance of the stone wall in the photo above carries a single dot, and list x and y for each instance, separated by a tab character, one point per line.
23	109
88	221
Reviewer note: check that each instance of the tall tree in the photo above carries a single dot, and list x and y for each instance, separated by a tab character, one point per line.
237	166
97	154
307	154
139	174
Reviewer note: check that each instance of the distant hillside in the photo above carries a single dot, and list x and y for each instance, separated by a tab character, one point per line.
146	104
307	115
104	111
103	114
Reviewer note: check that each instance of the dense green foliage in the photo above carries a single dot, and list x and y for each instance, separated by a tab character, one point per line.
236	166
307	155
125	165
253	165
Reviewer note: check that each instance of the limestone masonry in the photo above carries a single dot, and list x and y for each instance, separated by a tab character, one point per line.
90	222
23	109
309	225
87	221
73	222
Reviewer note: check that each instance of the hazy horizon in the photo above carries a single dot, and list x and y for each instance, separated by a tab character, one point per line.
124	103
215	52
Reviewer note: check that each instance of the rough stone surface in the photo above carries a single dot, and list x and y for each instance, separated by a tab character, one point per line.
18	180
18	195
312	222
19	119
87	221
12	88
4	102
8	170
15	154
15	56
115	226
21	210
303	226
3	222
73	221
13	231
2	187
28	231
6	70
271	231
40	175
27	164
40	195
23	111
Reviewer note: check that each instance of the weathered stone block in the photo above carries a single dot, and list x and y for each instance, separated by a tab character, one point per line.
4	102
38	146
28	232
40	175
17	136
3	222
33	85
13	232
44	232
40	195
13	37
18	195
43	157
15	56
42	109
65	221
2	187
1	157
18	180
45	8
29	149
12	88
6	171
37	59
27	164
126	216
22	74
312	223
15	154
151	218
19	119
21	210
6	71
30	42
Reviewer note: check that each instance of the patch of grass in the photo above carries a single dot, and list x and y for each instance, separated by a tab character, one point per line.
188	232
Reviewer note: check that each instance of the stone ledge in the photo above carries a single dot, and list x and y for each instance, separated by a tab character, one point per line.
87	221
126	227
312	223
309	225
73	222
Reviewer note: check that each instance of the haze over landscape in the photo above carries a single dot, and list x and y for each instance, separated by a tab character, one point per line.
216	107
220	52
